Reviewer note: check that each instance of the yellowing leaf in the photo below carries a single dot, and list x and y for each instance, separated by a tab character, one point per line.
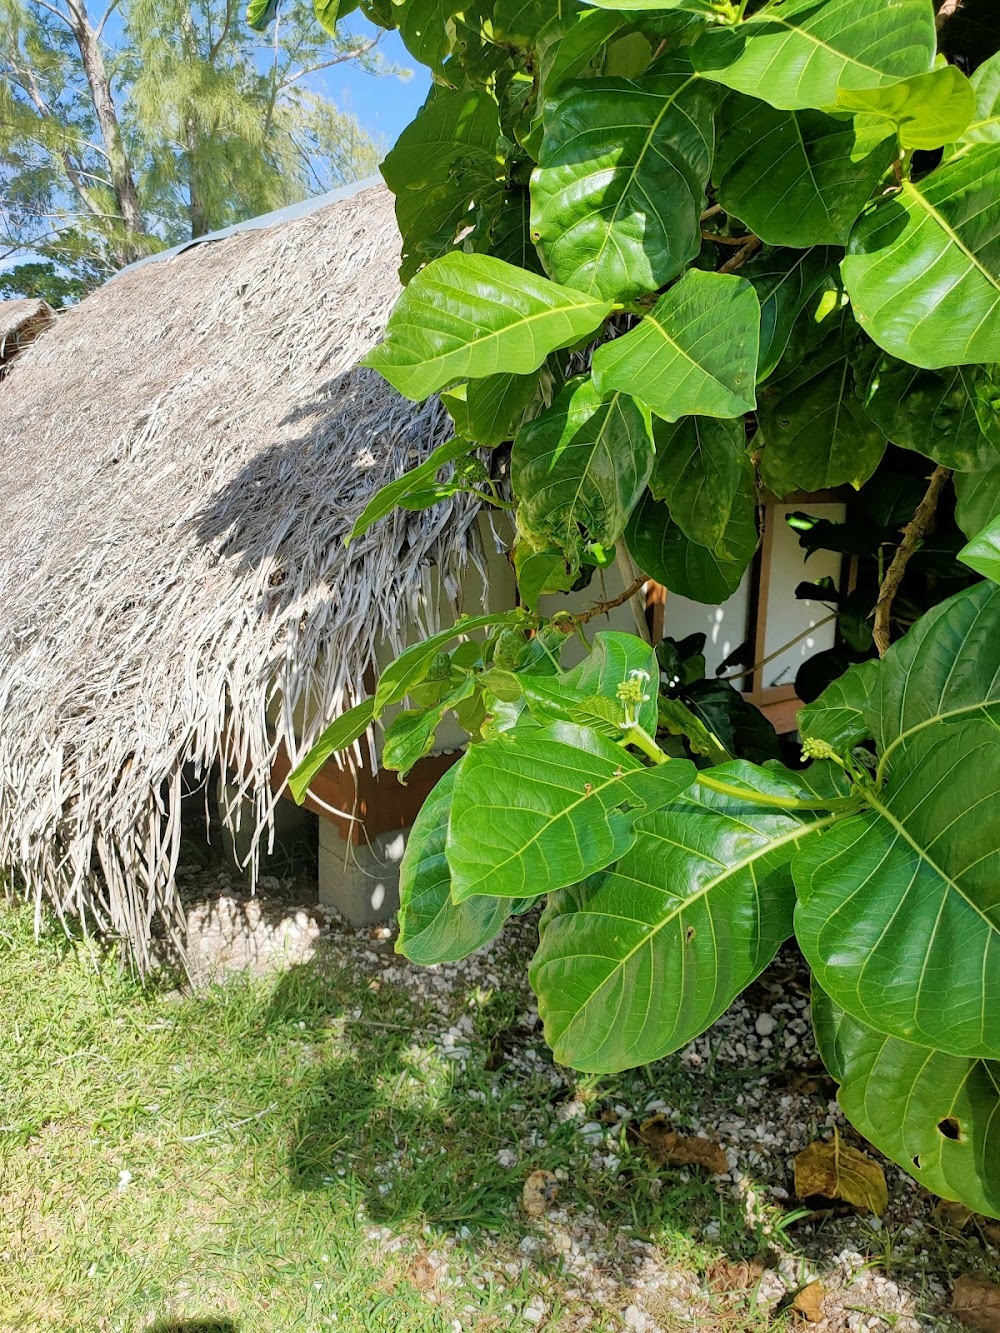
835	1171
808	1303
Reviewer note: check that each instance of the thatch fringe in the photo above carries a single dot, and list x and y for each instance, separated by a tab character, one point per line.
184	453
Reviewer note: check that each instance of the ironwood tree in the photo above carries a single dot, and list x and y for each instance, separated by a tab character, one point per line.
151	123
659	255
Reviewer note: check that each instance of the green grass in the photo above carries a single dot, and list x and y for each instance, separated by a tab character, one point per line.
266	1129
283	1154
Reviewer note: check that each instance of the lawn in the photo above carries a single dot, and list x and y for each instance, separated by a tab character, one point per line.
344	1144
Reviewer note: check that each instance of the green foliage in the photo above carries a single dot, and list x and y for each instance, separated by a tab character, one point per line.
675	254
473	316
43	281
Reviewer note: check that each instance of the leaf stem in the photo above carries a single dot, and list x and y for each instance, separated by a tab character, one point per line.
842	803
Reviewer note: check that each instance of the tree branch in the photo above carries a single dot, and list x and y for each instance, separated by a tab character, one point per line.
58	12
216	46
741	256
912	535
811	629
105	16
947	11
352	53
602	607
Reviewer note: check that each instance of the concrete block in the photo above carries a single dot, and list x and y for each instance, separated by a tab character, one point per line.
361	882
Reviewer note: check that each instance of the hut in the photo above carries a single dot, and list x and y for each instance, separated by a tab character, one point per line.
185	452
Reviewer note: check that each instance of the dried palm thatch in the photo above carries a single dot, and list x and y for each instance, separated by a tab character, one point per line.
184	453
20	324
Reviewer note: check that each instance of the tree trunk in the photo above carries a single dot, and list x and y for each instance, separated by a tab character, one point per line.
125	247
197	212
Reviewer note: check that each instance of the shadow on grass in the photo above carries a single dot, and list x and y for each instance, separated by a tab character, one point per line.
391	1122
195	1326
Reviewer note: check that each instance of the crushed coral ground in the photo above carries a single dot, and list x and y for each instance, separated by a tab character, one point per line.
328	1137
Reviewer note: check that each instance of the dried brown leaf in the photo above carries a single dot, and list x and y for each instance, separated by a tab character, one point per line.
833	1170
538	1195
728	1275
423	1272
808	1303
951	1216
672	1149
977	1303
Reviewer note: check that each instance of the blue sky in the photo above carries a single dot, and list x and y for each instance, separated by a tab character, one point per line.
383	105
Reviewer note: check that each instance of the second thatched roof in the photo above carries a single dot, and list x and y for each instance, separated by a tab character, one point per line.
184	453
20	324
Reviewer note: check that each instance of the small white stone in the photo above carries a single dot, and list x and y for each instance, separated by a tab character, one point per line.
765	1025
534	1311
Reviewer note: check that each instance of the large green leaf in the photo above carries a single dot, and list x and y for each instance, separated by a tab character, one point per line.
937	1115
260	14
579	468
785	282
433	929
946	669
388	497
473	316
444	164
928	110
983	553
426	29
931	411
344	731
620	182
985	125
536	811
923	264
590	688
978	500
517	22
638	960
695	353
816	433
659	547
838	715
329	12
704	474
798	178
898	912
800	53
702	7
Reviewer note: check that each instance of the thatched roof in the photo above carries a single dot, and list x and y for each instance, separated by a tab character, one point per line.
20	323
184	453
